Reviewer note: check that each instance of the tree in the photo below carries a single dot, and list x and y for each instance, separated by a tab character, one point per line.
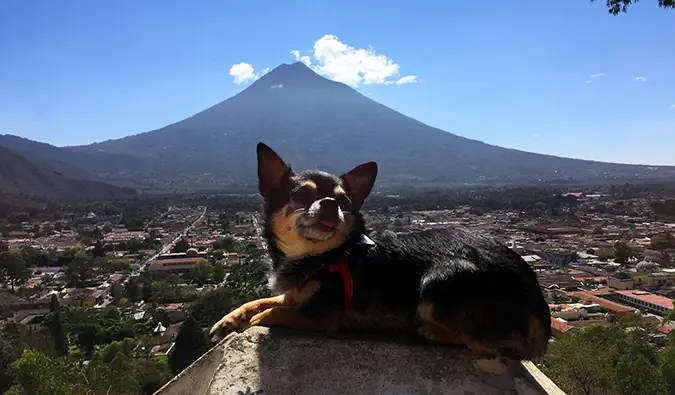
225	243
622	252
133	291
98	251
604	360
134	245
598	230
3	246
616	7
211	306
134	224
87	336
181	246
79	271
37	374
662	241
191	343
218	272
13	269
122	375
202	272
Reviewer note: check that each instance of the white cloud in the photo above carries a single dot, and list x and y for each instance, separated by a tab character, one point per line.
304	59
244	72
340	62
409	79
277	86
640	79
672	106
597	75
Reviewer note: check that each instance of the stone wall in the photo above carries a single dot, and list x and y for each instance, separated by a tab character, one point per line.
264	361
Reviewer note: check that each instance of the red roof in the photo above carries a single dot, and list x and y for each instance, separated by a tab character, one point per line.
666	329
560	325
648	297
616	308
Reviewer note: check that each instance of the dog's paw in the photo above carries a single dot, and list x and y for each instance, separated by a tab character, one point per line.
493	366
235	321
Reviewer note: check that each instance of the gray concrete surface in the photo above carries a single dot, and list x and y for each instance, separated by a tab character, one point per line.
264	361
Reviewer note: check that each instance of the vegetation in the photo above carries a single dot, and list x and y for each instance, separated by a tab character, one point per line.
13	269
625	358
191	343
616	7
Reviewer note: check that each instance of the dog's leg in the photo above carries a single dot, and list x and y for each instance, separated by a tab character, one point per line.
291	317
439	329
238	319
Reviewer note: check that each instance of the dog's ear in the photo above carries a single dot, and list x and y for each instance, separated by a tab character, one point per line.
273	172
358	183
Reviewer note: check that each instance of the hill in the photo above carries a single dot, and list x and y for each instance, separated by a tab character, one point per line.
316	123
21	176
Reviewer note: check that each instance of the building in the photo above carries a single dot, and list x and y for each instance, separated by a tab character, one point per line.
643	300
177	262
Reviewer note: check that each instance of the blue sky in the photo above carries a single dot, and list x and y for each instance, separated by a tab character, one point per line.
554	77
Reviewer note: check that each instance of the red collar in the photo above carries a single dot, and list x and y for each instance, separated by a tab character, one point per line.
341	266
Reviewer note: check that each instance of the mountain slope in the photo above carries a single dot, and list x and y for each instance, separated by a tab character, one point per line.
21	176
71	163
316	123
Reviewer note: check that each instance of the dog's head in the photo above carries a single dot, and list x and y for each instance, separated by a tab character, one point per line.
312	212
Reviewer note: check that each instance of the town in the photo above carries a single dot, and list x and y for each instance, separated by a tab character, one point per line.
135	273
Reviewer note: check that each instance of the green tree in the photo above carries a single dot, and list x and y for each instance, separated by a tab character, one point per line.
622	252
606	360
181	246
37	374
662	241
98	251
80	270
226	243
134	245
616	7
191	343
13	269
87	336
123	375
219	272
211	306
54	323
3	247
133	291
202	272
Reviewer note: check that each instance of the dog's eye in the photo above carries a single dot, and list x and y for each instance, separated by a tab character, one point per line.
304	195
344	202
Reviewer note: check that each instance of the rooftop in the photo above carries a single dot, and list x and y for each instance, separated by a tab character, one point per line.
648	297
277	361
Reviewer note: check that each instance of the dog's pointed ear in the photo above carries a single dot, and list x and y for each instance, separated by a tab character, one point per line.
358	183
273	172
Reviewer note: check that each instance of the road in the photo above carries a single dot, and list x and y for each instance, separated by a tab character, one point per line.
258	231
167	247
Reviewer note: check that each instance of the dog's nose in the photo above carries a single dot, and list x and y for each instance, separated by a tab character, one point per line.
329	204
328	212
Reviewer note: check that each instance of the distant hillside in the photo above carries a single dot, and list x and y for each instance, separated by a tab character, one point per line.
21	176
316	123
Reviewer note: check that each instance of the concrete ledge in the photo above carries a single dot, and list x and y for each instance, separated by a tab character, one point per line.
277	361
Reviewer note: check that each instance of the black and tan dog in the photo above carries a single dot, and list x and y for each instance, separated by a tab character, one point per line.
447	285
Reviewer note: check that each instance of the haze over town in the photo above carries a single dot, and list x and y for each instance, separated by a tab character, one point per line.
131	215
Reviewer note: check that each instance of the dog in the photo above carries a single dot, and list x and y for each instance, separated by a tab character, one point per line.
448	285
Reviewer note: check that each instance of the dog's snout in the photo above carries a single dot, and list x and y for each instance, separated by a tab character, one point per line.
329	214
329	205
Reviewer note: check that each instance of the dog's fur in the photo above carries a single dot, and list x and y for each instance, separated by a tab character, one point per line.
448	285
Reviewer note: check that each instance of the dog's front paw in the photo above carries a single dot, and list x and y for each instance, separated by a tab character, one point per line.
236	320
